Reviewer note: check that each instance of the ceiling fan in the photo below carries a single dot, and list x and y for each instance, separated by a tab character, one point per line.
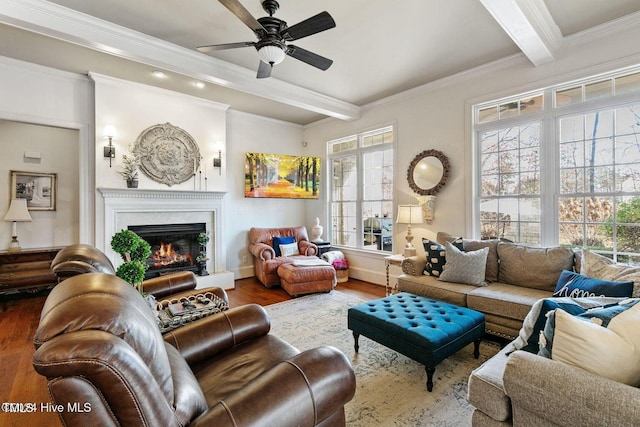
273	35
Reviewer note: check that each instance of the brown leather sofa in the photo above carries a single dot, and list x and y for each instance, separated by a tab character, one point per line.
265	262
100	348
80	258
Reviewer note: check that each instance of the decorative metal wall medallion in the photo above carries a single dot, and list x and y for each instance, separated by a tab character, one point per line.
168	154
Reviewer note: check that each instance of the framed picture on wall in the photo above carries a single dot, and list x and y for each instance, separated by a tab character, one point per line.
38	188
281	176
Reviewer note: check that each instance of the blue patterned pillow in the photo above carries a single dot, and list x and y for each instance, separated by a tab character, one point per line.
603	340
277	241
529	335
575	285
435	254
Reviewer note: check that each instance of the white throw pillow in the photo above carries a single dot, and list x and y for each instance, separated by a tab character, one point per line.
601	267
464	267
289	249
612	352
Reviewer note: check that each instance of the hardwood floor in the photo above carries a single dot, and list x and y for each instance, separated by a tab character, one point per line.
19	320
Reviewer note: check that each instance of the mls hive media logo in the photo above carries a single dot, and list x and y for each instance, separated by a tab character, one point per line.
29	407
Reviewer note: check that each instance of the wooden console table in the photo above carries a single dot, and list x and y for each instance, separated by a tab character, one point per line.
28	270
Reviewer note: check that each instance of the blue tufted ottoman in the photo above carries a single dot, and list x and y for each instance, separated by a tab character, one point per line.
426	330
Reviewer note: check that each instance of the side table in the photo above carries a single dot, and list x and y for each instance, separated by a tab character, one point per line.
389	261
323	247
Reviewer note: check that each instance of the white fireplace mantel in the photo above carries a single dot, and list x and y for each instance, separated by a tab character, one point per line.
123	207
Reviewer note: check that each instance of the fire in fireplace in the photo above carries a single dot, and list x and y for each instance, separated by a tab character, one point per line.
174	247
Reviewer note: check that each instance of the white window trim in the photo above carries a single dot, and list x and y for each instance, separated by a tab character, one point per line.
549	118
329	179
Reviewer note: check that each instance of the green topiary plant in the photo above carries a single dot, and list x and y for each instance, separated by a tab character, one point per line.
125	242
133	273
203	239
141	252
134	252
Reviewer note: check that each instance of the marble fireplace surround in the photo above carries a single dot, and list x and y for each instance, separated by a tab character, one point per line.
124	207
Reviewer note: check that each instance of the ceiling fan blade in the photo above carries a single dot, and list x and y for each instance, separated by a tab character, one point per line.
243	14
212	47
318	23
309	57
264	70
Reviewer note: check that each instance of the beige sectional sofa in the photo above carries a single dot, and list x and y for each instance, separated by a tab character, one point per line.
516	276
524	389
516	387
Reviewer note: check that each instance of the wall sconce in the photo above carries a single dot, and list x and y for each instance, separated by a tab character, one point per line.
217	161
17	212
110	150
409	214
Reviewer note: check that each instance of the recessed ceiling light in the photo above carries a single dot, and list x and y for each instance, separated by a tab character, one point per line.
158	74
199	85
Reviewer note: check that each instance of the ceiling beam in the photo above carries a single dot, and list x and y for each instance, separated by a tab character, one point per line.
530	26
64	24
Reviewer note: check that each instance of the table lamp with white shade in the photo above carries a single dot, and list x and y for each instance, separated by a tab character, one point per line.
409	214
17	212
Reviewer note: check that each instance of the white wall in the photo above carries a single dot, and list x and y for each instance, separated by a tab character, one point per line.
437	116
434	116
40	95
58	150
251	133
133	107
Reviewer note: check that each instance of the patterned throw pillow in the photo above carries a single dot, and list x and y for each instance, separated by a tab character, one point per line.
603	341
435	254
576	285
289	249
537	318
464	267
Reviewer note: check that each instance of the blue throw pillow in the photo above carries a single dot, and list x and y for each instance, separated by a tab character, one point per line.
536	320
277	241
435	254
589	344
575	285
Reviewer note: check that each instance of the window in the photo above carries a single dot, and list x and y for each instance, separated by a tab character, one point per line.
599	202
510	176
361	194
566	171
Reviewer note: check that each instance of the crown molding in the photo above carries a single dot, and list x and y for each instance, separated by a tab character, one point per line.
23	66
617	26
64	24
453	79
114	81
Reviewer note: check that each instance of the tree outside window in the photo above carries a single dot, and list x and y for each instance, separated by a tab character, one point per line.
571	166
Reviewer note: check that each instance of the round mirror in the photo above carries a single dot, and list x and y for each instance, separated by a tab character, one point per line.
428	172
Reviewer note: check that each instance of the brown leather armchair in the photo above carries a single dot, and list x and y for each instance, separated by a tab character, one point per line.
100	349
80	258
265	262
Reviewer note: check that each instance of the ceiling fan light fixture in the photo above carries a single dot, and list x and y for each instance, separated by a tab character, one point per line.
271	54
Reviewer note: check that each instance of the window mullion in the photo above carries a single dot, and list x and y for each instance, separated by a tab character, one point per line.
360	201
549	179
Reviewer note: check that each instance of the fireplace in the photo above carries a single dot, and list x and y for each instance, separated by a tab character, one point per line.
120	208
174	247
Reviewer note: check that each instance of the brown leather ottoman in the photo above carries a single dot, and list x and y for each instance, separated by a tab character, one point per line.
306	279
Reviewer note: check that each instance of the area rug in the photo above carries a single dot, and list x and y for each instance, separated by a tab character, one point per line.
391	388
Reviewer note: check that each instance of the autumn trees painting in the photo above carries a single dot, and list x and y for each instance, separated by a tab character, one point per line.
282	176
